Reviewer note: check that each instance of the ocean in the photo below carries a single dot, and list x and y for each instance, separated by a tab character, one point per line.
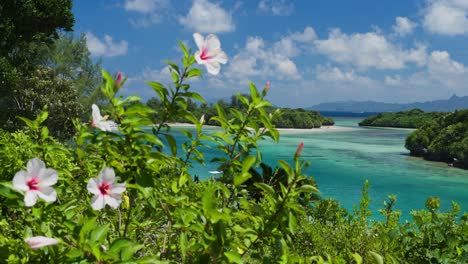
341	161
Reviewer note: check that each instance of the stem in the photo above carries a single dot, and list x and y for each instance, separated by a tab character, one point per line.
237	138
127	222
168	112
169	224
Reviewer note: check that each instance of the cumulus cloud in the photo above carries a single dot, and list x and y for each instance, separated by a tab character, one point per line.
149	11
446	17
105	48
368	50
443	68
403	26
276	7
206	17
270	60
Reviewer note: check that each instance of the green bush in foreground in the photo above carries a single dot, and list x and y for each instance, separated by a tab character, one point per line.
119	197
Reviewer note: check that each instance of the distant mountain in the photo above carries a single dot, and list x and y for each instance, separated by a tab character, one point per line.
449	105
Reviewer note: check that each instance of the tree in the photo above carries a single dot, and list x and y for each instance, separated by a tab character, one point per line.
26	28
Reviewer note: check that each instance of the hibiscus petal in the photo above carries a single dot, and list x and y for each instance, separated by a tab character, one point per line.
40	241
34	166
47	177
92	186
220	57
199	40
118	188
30	198
96	114
47	193
113	200
97	202
19	181
213	67
212	42
107	175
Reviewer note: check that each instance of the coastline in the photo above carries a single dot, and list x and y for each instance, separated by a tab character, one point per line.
322	129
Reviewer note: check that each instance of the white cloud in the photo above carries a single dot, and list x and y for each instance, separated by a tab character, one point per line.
442	67
107	47
403	26
368	50
276	7
307	36
270	61
150	10
145	6
446	17
206	17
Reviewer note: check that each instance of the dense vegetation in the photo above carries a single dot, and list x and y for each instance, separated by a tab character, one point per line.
41	65
407	119
442	139
281	117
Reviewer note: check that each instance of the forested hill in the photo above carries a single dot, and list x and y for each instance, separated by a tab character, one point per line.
284	117
406	119
448	105
443	139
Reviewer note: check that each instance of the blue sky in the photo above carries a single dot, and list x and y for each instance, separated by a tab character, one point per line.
312	51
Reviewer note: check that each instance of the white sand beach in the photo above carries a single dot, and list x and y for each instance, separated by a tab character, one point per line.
322	129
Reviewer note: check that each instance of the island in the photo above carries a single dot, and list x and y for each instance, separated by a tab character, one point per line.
442	139
282	117
413	118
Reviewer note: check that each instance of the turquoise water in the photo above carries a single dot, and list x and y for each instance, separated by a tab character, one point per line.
341	161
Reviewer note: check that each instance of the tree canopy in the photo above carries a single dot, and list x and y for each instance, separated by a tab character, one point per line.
442	139
406	119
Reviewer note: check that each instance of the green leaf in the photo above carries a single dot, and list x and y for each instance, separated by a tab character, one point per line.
254	92
266	188
44	132
194	73
30	123
307	188
377	258
183	48
173	66
233	257
357	258
247	163
241	178
175	77
172	143
159	89
86	229
292	223
195	96
99	234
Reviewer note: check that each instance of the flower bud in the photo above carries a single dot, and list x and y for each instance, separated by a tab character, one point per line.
40	241
299	150
118	80
267	86
202	119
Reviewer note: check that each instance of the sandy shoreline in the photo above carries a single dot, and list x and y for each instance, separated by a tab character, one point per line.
288	130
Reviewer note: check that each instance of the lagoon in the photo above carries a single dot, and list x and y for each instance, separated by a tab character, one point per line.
341	161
